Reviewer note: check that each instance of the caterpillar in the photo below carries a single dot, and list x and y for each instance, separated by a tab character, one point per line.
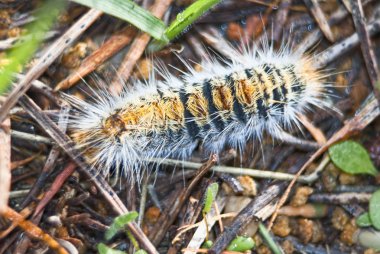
228	103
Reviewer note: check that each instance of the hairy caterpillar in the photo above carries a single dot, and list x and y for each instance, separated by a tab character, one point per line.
226	104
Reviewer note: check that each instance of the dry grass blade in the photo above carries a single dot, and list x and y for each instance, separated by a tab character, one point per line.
168	217
317	12
201	232
47	59
366	45
246	216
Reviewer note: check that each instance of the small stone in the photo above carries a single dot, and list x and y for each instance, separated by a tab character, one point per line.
369	251
263	250
74	56
150	218
348	232
301	196
348	179
14	32
330	176
281	226
310	231
5	19
248	184
288	247
152	214
339	218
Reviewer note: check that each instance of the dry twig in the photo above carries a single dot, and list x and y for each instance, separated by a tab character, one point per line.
32	230
5	163
137	49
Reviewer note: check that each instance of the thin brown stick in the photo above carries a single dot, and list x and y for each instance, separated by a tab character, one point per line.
55	187
137	49
280	19
47	59
330	54
314	131
24	213
33	230
50	161
112	46
5	163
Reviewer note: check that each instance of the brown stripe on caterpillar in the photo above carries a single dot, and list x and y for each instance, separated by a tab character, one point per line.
213	110
260	81
238	108
197	105
274	89
173	111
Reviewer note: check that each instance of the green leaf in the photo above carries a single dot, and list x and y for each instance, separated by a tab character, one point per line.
104	249
352	158
211	193
129	11
22	52
241	244
374	209
269	240
364	220
119	223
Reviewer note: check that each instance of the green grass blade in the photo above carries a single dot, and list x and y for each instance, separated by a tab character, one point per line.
129	11
182	21
188	16
269	240
23	52
211	193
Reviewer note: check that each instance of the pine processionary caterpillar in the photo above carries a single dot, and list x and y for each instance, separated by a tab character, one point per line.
226	104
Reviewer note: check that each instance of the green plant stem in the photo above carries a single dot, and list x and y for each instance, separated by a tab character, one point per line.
269	240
